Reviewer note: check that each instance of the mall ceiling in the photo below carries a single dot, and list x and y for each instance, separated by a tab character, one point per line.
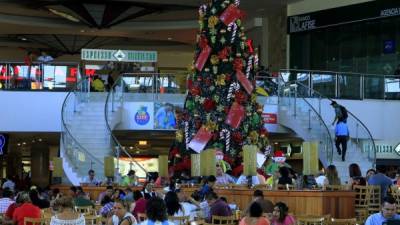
66	26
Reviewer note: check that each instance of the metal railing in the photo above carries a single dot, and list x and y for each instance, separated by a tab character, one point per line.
75	153
114	100
347	85
360	135
303	111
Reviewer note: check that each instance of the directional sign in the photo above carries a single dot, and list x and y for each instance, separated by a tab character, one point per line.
118	55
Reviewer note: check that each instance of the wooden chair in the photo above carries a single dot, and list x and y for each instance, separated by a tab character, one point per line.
222	219
351	221
33	221
182	220
310	220
141	217
361	202
86	210
395	191
374	204
93	220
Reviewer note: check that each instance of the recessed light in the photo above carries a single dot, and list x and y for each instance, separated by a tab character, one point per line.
276	143
170	38
137	152
131	147
82	31
23	39
24	143
143	142
19	144
33	141
39	139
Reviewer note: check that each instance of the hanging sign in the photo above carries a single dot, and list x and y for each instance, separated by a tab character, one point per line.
118	55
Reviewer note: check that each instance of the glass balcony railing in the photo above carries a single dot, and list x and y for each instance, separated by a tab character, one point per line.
345	85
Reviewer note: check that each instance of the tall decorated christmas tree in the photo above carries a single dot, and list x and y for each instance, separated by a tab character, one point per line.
220	110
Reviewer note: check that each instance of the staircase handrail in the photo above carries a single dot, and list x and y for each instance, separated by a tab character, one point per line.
336	72
64	124
352	115
113	137
330	159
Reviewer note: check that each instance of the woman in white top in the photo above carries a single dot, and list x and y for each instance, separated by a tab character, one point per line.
66	214
121	216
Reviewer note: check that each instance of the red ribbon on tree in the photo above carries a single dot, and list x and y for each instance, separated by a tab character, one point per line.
231	14
204	54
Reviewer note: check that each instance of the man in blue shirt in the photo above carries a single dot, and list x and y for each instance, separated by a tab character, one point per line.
381	179
388	212
342	135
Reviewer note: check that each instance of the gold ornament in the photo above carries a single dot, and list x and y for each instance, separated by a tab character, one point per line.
214	59
253	137
179	135
212	21
253	98
221	80
211	126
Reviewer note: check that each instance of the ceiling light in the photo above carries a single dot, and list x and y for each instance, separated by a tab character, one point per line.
23	143
82	31
39	139
19	144
137	152
23	39
131	147
142	142
276	143
33	141
170	38
64	15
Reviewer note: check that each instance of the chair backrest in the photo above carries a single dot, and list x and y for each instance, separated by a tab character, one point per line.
86	210
141	217
182	220
396	196
222	219
94	220
362	196
310	220
33	221
374	204
350	221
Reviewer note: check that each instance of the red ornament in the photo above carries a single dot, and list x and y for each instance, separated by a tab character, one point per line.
223	54
249	44
195	90
240	97
238	64
208	105
263	132
228	77
237	137
203	43
199	78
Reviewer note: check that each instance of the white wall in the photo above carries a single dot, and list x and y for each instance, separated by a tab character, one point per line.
22	111
307	6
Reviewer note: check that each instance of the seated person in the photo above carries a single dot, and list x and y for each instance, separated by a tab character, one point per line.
218	207
388	212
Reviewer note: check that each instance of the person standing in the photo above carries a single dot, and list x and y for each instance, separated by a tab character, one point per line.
381	179
342	136
340	113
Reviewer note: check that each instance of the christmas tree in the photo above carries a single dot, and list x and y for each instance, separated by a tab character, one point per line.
220	110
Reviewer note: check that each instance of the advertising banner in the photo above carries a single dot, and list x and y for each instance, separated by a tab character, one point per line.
138	115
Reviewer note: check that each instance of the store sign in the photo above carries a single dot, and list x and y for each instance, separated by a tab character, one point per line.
353	13
270	118
118	55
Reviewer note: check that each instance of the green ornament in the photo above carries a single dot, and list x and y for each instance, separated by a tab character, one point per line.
212	88
223	40
238	22
220	108
246	128
213	10
201	24
190	105
213	31
215	69
223	5
213	39
216	98
255	119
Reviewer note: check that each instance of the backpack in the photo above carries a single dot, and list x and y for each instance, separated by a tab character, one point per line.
343	110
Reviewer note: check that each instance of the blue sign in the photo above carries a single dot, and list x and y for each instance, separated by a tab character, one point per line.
142	117
2	143
389	46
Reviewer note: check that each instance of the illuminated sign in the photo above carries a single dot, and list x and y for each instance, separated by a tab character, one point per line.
118	55
397	149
